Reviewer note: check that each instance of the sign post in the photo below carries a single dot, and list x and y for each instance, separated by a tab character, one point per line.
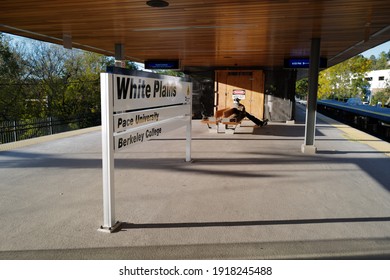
107	153
136	107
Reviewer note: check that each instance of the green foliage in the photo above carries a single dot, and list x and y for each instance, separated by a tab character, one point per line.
82	93
345	79
302	88
11	90
110	61
381	62
40	80
170	73
382	96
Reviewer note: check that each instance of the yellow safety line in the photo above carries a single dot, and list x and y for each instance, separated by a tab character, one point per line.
354	134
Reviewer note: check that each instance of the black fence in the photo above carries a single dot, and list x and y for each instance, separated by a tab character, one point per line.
12	131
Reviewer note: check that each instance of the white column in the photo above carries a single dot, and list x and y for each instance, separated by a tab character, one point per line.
109	222
311	108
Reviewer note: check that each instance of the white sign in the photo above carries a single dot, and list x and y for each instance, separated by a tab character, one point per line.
130	138
131	120
132	92
239	93
136	109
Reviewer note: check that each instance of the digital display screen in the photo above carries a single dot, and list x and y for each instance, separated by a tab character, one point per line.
302	62
162	64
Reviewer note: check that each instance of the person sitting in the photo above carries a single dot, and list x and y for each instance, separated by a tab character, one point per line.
241	113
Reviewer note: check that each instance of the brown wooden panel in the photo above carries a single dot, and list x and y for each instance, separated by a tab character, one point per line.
221	92
215	33
257	98
252	81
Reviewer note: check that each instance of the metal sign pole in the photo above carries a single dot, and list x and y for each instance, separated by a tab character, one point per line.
189	129
188	140
107	154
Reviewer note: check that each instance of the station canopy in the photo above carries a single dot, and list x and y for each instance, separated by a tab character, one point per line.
207	34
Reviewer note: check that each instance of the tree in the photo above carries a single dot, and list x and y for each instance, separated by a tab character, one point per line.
325	83
82	94
345	79
110	61
47	71
382	96
380	63
302	88
11	82
41	80
373	62
170	73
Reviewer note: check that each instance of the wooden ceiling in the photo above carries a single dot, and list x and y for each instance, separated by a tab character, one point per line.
210	34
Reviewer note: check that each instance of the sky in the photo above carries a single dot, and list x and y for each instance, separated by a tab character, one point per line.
377	50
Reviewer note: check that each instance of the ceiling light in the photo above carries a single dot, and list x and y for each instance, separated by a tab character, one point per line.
157	3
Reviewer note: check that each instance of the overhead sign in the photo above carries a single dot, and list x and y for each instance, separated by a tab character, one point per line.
302	62
162	64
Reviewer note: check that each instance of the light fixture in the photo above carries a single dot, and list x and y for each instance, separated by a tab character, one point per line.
157	3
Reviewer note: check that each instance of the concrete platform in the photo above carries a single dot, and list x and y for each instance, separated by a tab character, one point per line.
250	195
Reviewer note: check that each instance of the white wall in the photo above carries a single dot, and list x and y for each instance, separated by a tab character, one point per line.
375	83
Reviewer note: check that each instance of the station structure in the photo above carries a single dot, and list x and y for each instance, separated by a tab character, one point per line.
256	47
251	50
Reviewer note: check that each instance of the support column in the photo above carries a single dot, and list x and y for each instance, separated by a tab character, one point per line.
311	108
109	223
67	41
120	56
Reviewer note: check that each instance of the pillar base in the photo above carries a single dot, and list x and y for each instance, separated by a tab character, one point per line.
111	229
309	149
290	122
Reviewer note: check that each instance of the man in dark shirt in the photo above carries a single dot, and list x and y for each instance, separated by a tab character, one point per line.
241	113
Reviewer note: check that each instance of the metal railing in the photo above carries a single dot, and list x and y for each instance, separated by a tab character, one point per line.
12	131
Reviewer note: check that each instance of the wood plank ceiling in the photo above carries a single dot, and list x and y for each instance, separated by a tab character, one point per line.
211	34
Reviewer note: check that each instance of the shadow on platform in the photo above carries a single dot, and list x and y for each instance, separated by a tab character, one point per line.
126	225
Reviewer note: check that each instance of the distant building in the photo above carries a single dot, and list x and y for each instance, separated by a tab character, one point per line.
378	79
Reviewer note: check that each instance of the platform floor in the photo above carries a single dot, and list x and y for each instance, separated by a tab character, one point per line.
250	195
